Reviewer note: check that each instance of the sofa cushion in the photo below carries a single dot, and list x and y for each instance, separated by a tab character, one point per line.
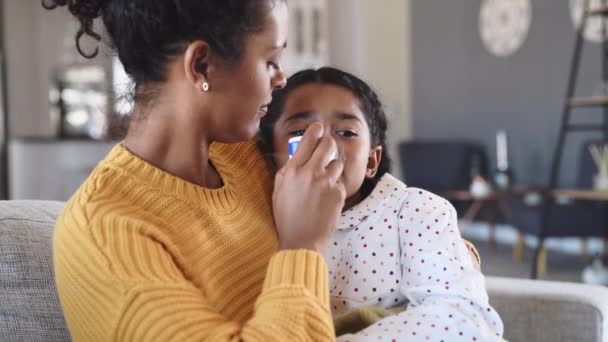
547	311
29	306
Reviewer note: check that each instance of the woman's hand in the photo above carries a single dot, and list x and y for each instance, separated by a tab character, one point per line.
308	195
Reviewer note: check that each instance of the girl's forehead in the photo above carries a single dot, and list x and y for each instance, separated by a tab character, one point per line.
322	98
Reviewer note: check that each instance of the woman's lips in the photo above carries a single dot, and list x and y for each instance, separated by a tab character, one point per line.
263	110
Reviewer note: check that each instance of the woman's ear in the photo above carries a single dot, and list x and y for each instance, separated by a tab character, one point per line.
373	162
197	64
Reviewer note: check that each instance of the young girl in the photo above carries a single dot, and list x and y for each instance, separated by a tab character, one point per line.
394	245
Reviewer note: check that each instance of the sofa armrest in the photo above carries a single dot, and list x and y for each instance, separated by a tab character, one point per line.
535	310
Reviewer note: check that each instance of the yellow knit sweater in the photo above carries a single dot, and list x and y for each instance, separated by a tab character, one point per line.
141	255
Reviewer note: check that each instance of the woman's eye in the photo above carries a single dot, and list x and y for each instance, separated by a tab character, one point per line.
273	65
346	134
297	133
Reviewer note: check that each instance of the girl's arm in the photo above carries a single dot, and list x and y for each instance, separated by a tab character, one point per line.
446	290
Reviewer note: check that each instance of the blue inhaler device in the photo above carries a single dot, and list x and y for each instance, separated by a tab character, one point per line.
293	145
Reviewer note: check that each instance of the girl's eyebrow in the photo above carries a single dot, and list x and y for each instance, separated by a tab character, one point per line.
348	116
300	116
343	116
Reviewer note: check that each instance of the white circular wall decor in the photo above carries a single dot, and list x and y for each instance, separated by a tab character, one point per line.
504	25
593	31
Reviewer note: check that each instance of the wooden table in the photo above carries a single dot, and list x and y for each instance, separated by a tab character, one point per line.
582	194
497	205
493	201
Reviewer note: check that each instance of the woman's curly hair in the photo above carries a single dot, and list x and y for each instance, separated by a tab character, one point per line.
147	34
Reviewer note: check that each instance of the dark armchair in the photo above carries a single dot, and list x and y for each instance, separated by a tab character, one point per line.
441	166
568	217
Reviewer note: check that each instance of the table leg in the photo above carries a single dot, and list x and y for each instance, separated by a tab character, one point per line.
473	210
541	260
492	229
519	248
585	257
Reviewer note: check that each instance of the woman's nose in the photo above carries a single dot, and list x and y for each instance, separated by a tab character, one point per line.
279	80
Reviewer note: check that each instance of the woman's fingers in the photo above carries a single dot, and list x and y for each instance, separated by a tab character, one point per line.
325	153
334	170
309	143
279	177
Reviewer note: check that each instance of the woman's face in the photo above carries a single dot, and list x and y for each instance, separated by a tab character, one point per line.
339	111
242	93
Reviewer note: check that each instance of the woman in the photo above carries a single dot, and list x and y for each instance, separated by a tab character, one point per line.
172	236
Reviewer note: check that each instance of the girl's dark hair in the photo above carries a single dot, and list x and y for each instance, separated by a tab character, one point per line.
370	106
147	34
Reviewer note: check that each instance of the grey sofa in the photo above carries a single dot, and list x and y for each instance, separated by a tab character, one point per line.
29	308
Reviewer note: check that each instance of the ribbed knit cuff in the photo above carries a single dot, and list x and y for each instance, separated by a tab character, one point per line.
300	268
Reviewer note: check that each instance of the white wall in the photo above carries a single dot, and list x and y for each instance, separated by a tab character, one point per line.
23	73
34	40
346	35
372	39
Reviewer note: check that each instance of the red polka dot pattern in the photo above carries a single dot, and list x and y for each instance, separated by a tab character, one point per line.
401	246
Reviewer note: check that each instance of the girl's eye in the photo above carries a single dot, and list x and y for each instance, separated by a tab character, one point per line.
346	134
297	133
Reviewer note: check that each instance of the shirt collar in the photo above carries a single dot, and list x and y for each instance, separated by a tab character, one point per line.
384	191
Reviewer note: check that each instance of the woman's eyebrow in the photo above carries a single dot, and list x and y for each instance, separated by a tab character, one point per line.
278	46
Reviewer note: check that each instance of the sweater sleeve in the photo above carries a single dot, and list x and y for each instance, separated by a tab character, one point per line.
441	280
125	285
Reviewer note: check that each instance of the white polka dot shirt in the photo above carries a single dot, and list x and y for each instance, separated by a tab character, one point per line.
402	246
